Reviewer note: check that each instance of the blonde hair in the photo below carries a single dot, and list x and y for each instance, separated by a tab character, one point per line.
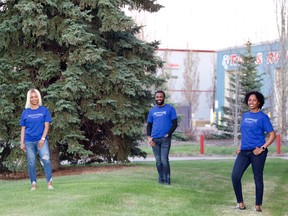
28	104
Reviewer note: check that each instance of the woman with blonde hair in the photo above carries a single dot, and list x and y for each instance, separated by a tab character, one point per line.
35	122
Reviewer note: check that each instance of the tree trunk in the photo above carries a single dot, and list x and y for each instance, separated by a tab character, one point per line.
55	161
236	110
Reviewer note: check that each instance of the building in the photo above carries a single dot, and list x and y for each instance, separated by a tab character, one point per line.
191	85
198	80
268	60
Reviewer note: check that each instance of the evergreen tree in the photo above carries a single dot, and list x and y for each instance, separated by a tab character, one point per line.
241	81
93	73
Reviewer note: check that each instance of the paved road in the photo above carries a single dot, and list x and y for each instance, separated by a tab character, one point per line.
136	159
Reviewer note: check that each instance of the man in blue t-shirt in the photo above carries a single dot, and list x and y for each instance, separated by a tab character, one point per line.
162	122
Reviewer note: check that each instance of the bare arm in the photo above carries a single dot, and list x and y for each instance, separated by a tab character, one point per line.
238	149
269	141
271	138
45	132
46	129
22	138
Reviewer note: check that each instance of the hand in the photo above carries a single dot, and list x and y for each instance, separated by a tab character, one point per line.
238	151
40	143
23	148
151	142
257	151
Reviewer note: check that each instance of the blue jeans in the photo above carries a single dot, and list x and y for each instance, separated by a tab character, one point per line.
243	160
161	152
31	153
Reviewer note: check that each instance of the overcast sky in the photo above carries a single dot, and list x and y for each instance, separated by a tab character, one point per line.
212	24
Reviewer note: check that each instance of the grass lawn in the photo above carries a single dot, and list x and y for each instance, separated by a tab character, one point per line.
201	187
193	149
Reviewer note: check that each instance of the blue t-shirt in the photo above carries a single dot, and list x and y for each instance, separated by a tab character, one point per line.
34	122
161	119
253	128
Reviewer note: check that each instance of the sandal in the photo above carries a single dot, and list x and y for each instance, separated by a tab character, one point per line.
257	209
240	207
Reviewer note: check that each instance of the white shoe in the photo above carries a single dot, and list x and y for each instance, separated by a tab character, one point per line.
34	186
50	187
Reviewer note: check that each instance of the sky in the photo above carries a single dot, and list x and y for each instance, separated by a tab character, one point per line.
211	24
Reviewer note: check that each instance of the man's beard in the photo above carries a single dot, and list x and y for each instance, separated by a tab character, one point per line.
159	102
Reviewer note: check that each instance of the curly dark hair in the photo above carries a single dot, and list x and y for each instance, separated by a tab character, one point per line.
160	92
258	95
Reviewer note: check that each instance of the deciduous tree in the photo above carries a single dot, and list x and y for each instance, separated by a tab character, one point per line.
281	78
191	83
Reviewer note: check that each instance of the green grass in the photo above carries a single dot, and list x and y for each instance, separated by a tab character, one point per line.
193	149
201	187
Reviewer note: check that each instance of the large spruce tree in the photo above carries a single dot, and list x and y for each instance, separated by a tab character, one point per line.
244	79
93	73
